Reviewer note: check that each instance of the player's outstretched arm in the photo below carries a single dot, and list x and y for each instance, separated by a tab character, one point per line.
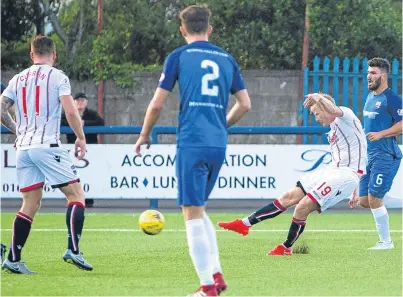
241	107
325	104
6	119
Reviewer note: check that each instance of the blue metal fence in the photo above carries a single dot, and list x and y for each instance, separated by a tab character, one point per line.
348	86
157	130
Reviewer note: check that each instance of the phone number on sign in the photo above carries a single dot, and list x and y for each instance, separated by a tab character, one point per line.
7	188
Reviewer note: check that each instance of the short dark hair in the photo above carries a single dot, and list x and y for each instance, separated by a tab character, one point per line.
80	95
42	45
382	64
196	18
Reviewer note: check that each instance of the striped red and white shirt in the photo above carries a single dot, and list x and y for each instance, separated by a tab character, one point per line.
35	92
348	142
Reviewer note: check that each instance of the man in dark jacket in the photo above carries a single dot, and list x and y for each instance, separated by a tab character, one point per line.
89	118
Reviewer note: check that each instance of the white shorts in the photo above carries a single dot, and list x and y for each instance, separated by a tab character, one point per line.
329	186
52	163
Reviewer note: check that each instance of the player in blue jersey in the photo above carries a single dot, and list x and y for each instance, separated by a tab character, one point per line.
206	75
382	123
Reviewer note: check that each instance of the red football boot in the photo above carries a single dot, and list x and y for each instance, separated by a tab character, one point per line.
220	283
204	291
236	226
280	250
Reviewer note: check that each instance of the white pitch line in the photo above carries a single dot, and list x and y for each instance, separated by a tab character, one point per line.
184	230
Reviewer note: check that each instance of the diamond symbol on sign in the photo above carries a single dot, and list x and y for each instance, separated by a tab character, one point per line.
145	182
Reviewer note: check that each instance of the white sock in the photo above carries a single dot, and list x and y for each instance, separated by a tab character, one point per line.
381	217
392	202
246	222
199	250
212	238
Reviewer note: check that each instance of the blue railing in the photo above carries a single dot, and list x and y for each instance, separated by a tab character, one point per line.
352	78
157	130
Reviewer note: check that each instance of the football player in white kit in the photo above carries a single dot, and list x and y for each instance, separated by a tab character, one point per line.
38	95
322	188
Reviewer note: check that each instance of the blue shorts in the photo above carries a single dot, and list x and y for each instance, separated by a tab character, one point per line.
197	171
380	174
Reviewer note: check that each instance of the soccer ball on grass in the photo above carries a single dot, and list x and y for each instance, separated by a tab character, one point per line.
151	222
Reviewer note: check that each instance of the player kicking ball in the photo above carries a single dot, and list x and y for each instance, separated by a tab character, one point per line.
323	188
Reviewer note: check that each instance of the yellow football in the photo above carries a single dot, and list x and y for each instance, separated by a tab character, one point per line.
151	222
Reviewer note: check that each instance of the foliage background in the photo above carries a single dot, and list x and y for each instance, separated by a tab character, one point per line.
138	34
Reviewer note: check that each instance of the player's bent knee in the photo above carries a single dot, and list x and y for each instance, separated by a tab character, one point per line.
31	202
73	192
305	207
291	197
30	207
33	196
192	212
374	201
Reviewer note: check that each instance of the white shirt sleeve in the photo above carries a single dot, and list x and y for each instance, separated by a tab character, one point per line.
64	85
10	91
348	114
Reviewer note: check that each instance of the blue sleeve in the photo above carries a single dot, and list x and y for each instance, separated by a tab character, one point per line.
170	72
3	87
395	107
238	83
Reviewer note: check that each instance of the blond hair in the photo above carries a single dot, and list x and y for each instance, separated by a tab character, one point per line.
328	97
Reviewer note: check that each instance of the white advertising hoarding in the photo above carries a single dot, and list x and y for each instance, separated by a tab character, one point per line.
249	171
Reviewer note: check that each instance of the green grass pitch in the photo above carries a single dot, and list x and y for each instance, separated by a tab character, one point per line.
130	263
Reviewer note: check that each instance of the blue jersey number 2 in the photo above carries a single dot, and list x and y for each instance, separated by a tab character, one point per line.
205	90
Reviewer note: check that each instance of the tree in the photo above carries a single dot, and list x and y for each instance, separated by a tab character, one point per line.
130	36
354	28
260	34
69	21
18	18
135	37
72	33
